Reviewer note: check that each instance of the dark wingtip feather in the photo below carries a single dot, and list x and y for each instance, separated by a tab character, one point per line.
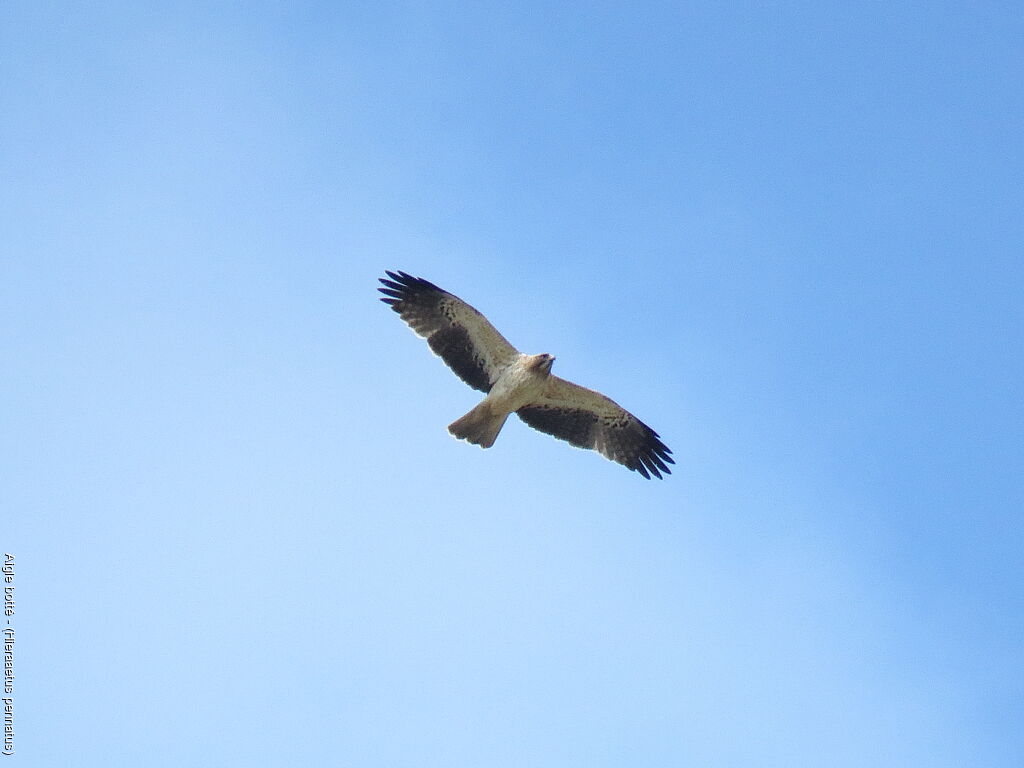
655	459
652	464
656	454
405	282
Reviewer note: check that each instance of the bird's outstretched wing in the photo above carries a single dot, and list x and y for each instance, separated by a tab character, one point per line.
588	419
460	335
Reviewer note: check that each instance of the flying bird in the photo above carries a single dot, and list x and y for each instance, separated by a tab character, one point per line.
518	383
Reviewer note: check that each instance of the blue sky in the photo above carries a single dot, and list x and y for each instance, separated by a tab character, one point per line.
788	236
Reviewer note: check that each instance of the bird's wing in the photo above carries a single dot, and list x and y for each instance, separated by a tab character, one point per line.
460	335
588	419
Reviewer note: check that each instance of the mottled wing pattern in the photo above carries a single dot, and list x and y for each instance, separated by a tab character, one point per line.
588	419
460	335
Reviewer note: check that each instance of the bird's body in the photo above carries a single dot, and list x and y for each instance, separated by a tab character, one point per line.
518	383
521	382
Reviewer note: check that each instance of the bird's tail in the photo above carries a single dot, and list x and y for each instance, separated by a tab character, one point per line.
480	426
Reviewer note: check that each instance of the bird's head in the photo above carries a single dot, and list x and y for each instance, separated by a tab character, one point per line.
542	362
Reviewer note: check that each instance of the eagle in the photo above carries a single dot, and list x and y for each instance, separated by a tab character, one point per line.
518	383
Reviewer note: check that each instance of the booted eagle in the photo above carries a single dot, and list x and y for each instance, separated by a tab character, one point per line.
519	383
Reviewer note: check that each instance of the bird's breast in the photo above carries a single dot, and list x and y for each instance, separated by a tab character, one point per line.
516	386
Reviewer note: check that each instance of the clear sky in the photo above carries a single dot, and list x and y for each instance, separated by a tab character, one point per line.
787	235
